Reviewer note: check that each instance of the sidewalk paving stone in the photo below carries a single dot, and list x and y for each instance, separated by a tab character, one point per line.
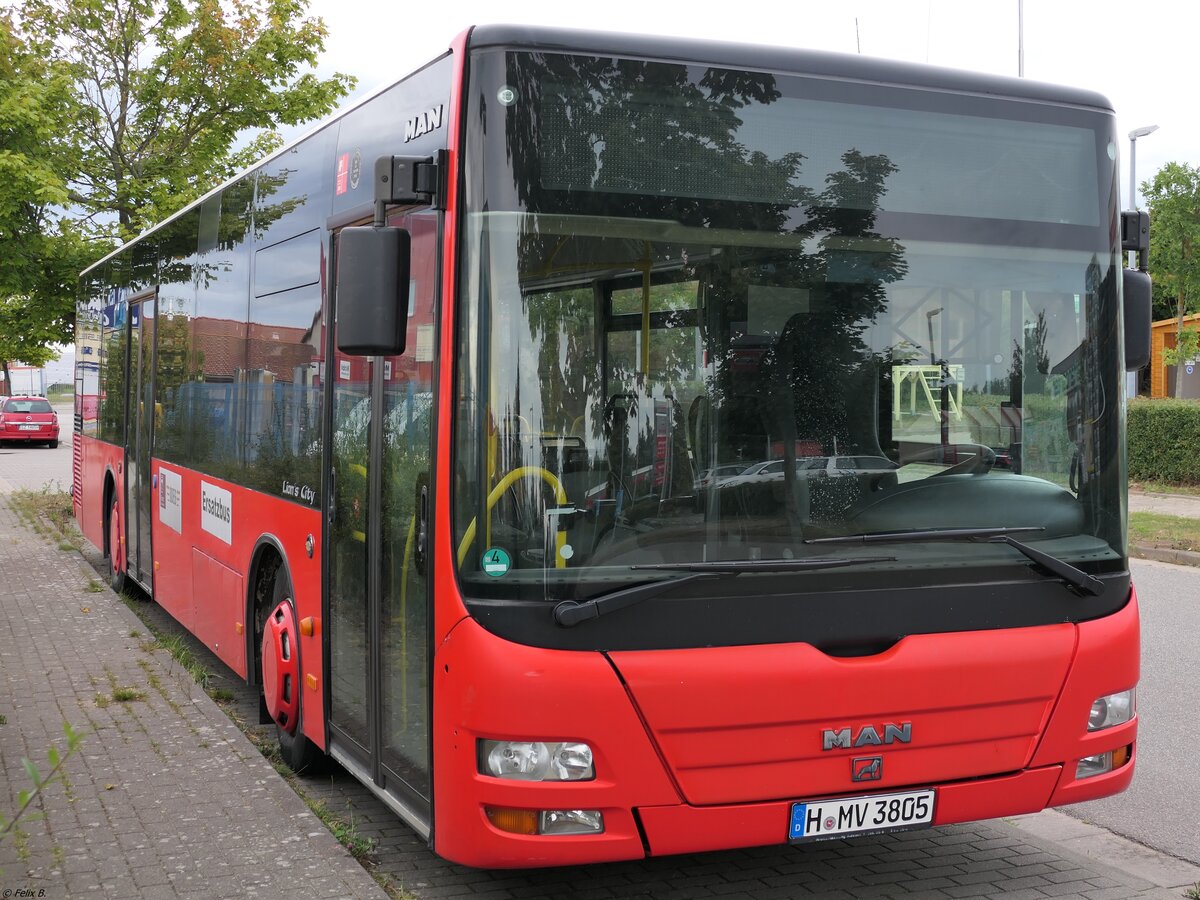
148	771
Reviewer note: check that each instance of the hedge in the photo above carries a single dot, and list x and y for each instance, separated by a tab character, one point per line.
1164	441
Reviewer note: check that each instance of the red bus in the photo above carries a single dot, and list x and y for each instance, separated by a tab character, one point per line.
408	425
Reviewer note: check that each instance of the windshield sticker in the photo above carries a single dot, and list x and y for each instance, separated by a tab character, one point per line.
496	562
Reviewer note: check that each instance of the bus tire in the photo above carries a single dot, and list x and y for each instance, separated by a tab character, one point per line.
281	683
116	564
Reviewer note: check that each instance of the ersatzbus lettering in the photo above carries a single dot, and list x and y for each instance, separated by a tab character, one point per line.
610	446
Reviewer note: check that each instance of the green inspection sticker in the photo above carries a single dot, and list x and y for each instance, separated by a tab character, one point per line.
496	562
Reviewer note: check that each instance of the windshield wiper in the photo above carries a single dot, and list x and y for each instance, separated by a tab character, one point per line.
1077	578
572	612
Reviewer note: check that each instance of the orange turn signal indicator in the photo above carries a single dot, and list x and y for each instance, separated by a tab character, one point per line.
514	821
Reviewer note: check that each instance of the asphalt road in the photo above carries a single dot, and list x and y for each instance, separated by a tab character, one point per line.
36	466
1162	807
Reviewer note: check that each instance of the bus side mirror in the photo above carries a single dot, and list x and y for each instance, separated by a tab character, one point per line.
372	290
1137	318
1135	235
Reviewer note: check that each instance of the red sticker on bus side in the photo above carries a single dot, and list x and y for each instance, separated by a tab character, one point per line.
343	174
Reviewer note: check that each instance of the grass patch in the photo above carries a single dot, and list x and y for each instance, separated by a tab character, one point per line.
3	719
1157	530
177	646
127	694
1193	893
93	587
103	701
48	511
345	832
222	695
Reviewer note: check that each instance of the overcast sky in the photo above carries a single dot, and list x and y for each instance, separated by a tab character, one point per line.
1141	55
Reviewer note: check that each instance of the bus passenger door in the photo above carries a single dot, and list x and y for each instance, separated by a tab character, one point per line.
378	593
138	440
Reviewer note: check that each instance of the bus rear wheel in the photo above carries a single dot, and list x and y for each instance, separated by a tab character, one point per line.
281	682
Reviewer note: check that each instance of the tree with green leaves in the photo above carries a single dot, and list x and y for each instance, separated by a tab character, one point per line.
1173	196
115	114
172	97
40	250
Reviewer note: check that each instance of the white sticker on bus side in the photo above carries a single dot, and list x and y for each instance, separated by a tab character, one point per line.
216	511
170	499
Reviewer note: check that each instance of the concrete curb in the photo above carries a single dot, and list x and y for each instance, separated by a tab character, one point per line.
1103	847
1167	555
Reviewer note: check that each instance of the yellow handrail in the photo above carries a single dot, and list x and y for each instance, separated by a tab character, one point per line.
560	497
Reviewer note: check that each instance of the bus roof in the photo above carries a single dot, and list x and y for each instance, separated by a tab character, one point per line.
821	64
825	64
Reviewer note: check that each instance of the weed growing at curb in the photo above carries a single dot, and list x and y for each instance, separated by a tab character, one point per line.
345	832
176	645
49	512
1193	893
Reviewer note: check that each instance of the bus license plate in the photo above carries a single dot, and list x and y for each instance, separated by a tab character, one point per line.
843	816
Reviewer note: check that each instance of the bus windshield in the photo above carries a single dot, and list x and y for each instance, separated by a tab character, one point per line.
710	315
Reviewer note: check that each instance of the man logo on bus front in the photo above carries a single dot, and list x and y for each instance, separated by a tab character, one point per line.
867	735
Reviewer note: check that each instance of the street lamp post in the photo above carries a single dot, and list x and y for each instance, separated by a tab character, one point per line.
1133	136
1133	172
1131	377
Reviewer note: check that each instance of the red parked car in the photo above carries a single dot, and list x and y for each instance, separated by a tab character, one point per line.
29	419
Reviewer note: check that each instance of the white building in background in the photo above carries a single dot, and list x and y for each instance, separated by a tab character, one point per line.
32	380
25	380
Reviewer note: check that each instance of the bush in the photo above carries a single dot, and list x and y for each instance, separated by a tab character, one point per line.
1164	441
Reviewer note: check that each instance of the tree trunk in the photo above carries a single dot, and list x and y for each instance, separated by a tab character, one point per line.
6	388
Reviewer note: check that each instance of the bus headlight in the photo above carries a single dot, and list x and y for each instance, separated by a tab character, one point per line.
1103	763
1114	709
571	821
536	760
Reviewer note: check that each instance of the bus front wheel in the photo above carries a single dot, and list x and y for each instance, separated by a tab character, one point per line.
281	680
116	559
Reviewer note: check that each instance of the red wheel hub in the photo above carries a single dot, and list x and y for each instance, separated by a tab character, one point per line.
281	667
114	541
